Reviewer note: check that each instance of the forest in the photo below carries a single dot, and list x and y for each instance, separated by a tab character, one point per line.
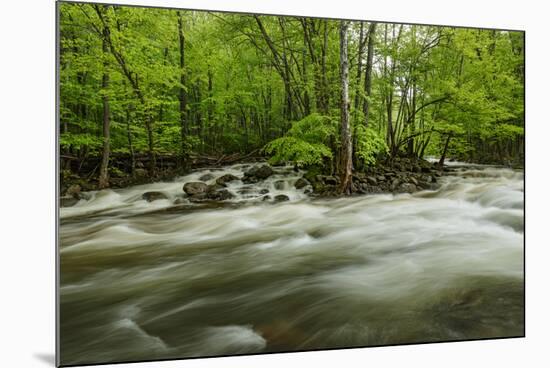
147	92
238	183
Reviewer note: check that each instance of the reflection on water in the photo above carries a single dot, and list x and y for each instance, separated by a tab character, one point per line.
146	280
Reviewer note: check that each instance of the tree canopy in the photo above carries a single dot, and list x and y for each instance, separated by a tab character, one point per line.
175	82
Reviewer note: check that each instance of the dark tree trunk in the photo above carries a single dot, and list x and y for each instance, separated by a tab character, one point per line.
358	90
210	109
412	121
130	144
359	67
104	168
345	131
442	159
325	93
368	73
184	129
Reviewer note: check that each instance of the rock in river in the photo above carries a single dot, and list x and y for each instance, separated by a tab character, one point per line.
206	177
220	195
222	180
258	173
153	196
279	184
408	188
195	187
281	198
301	183
74	191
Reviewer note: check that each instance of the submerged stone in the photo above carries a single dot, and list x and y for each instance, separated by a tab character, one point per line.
281	198
153	196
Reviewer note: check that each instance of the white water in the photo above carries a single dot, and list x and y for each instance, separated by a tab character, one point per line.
147	280
129	200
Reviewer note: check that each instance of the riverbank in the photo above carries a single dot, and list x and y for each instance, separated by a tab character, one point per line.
400	175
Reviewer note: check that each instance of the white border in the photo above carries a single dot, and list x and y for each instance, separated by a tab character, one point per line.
27	144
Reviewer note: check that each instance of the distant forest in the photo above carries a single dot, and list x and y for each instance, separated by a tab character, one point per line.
141	85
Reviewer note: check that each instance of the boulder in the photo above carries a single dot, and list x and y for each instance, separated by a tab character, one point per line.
279	184
74	191
359	176
413	180
424	185
394	184
224	179
206	177
312	174
281	198
408	188
141	173
153	196
213	187
266	198
301	183
198	197
356	187
330	180
372	180
194	188
264	191
67	201
220	195
180	200
257	173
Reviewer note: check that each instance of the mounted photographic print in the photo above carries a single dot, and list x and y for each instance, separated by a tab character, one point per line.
236	183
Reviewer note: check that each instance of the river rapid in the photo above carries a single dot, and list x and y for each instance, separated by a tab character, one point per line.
155	280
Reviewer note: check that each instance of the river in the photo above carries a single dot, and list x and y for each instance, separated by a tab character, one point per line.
154	280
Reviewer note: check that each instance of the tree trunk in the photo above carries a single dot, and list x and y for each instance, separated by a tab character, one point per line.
368	73
325	90
345	131
359	68
104	168
130	143
412	123
361	48
182	93
442	159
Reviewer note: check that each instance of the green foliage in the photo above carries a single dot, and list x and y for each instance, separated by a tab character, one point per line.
508	131
78	141
370	144
116	172
292	149
315	128
241	95
307	142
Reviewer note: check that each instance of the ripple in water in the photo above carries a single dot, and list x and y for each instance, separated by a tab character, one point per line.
144	280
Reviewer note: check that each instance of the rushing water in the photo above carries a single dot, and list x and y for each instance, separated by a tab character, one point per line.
147	280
